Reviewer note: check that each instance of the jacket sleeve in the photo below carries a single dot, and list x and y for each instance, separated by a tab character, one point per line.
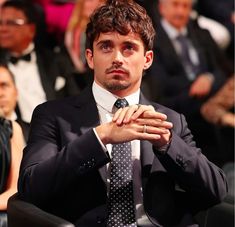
191	170
48	166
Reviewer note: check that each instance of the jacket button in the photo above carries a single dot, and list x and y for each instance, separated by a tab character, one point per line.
99	220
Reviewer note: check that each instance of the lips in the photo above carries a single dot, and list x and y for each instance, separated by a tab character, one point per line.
118	72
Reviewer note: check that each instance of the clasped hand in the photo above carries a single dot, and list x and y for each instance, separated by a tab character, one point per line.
136	122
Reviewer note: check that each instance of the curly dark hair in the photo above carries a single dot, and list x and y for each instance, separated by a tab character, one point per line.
122	17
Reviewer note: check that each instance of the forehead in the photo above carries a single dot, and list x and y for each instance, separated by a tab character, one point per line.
5	76
11	12
117	38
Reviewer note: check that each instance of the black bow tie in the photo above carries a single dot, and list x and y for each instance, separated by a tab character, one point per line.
26	57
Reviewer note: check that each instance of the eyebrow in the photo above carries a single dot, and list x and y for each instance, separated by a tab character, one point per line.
104	41
110	41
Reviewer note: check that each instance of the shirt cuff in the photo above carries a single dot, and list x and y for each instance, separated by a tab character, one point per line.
210	76
98	138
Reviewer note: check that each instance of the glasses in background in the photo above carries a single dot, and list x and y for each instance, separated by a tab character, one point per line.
13	22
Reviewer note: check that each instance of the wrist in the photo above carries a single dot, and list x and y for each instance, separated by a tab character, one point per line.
102	134
162	149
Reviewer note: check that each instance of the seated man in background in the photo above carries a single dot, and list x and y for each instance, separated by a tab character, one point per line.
219	110
186	70
9	97
110	157
40	74
11	147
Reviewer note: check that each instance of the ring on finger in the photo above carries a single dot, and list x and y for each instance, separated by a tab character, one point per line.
145	129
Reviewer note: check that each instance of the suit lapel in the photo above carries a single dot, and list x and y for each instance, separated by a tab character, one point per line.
88	112
47	84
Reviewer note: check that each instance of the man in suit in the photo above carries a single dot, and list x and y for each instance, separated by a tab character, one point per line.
69	161
186	70
9	97
40	74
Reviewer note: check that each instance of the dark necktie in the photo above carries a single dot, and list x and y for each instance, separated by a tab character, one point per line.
121	201
26	57
190	68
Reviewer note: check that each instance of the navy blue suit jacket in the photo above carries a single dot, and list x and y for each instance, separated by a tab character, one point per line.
60	167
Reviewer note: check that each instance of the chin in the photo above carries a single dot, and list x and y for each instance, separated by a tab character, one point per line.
117	86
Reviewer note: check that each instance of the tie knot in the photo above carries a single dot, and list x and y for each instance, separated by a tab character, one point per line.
120	103
181	38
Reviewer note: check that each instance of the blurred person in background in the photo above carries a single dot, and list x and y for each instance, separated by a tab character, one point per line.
11	150
57	14
186	70
219	110
75	39
9	97
39	73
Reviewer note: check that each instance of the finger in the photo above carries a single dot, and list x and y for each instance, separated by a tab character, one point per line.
155	123
121	116
154	115
148	136
141	109
116	115
156	130
131	110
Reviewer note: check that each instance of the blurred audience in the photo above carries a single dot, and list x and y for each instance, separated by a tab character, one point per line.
40	74
185	71
8	98
217	30
11	146
223	12
75	32
75	39
219	110
57	14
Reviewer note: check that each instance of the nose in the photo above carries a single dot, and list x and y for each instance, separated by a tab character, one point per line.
117	59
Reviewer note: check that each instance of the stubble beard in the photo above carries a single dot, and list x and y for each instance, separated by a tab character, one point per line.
117	86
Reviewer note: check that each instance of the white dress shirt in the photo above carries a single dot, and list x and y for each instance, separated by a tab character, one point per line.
28	83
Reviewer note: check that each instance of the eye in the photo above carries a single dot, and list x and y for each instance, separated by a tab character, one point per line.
106	47
129	49
4	85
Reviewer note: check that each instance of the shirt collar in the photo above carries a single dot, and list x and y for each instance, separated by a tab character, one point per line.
106	99
12	117
171	31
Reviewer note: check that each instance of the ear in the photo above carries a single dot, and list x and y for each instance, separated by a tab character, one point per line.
148	59
89	58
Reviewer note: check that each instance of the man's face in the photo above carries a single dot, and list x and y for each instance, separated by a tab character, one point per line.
8	92
176	12
15	31
118	62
